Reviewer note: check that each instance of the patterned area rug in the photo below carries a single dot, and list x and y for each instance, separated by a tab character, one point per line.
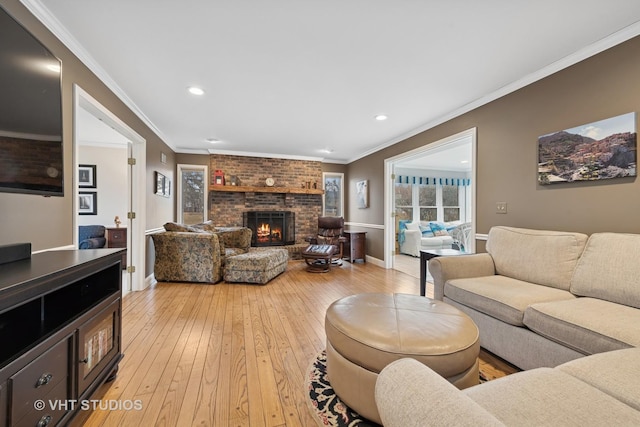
327	406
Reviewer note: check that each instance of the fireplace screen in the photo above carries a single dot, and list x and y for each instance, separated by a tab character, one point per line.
271	228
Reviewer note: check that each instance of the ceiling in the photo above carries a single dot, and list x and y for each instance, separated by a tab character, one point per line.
289	78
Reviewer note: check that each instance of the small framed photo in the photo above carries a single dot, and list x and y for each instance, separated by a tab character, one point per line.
88	203
87	176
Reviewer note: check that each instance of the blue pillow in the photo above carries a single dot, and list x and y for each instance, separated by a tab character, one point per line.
426	231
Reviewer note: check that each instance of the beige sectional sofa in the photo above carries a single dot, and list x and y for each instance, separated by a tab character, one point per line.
597	390
543	298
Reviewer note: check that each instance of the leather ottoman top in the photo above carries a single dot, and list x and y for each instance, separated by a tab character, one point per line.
375	329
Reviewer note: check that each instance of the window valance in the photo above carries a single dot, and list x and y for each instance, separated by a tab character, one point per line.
421	180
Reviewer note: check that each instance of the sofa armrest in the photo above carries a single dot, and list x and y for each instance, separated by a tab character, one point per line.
409	394
92	243
411	242
443	269
235	237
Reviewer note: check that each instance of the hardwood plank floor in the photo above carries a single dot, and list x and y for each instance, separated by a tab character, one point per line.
233	354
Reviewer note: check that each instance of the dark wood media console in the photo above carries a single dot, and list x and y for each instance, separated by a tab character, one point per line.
60	333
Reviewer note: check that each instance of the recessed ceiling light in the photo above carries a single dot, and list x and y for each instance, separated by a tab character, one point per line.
464	161
381	117
195	90
213	140
326	150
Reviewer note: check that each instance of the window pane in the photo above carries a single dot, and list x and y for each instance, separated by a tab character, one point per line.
403	194
333	197
428	214
450	195
427	195
451	214
404	213
193	196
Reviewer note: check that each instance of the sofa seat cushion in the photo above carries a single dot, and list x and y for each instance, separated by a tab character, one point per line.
617	373
538	256
548	397
586	325
501	297
436	242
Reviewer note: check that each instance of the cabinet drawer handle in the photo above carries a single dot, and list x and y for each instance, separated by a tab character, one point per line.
44	421
44	380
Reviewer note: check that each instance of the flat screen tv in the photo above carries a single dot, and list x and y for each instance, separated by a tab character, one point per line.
30	113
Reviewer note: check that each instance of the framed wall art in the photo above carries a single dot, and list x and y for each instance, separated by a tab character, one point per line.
163	185
87	176
88	203
596	151
362	194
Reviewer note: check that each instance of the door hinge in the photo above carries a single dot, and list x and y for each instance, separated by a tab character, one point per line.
131	215
131	269
131	161
393	176
393	214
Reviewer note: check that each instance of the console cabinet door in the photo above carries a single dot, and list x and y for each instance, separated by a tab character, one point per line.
98	343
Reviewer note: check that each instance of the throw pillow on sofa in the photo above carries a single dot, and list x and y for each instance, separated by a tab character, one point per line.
438	229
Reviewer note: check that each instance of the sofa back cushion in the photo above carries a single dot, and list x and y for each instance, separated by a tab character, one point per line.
609	269
543	257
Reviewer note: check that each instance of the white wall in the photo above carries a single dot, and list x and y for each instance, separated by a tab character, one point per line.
111	183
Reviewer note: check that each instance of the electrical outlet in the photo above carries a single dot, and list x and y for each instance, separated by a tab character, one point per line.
501	207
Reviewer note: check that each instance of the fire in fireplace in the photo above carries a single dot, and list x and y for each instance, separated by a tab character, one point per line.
271	228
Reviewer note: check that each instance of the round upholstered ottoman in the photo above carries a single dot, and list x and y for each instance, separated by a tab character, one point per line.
366	332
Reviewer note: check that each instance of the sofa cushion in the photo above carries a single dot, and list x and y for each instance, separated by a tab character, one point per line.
609	269
587	325
549	397
501	297
544	257
617	373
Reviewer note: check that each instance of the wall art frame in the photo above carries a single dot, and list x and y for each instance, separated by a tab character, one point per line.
87	177
596	151
87	203
362	194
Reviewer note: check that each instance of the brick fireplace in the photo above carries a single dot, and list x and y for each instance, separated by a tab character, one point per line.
291	176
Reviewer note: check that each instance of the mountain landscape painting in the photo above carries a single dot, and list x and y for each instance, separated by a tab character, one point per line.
600	150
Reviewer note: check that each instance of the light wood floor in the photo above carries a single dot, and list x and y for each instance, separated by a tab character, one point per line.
232	354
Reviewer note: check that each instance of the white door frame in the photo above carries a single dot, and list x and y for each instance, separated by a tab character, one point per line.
389	202
136	194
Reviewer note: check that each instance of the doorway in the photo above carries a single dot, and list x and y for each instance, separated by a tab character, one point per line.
132	194
431	156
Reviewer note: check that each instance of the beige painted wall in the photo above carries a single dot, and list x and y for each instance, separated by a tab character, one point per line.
48	222
600	87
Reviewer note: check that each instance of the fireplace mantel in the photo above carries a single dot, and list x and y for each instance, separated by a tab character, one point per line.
253	189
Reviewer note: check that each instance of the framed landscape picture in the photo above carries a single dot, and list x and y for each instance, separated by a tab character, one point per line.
596	151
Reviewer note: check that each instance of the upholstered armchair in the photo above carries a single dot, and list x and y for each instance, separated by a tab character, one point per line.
184	256
330	232
91	237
